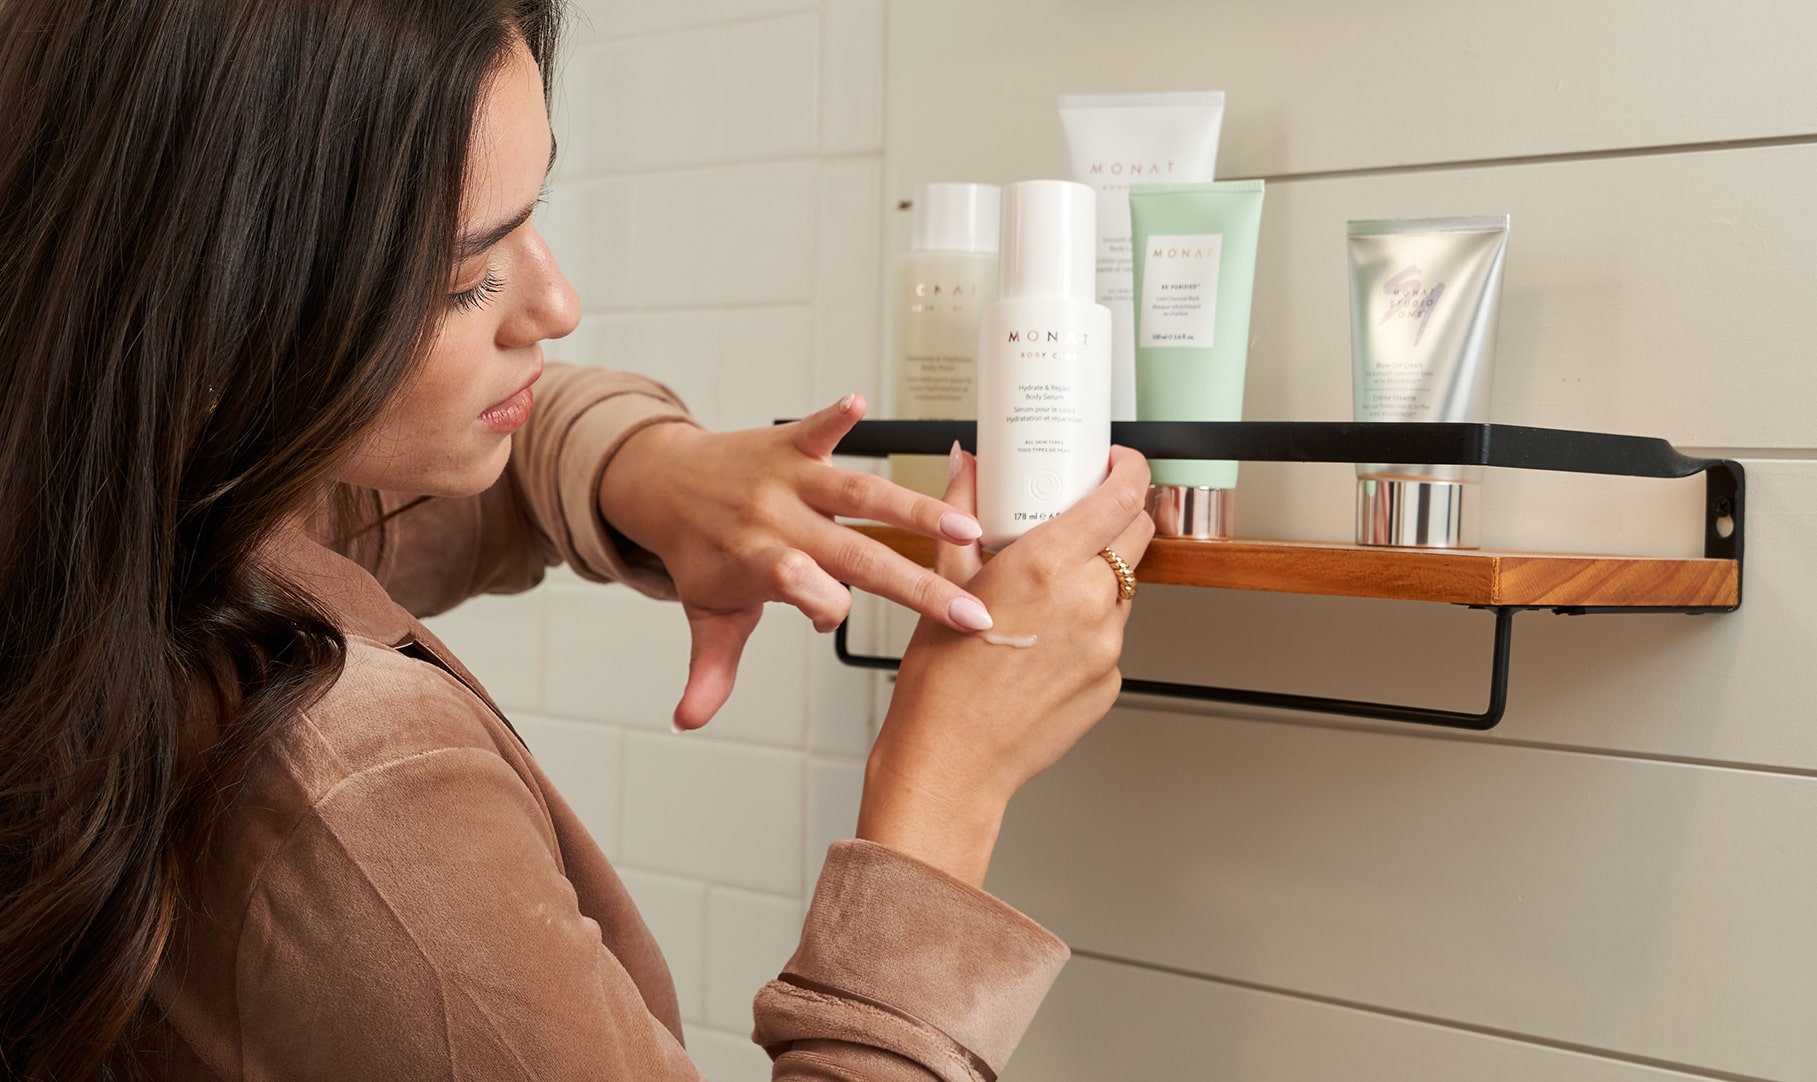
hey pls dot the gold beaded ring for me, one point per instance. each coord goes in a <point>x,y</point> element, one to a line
<point>1126,578</point>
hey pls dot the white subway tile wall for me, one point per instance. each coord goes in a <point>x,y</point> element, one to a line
<point>848,320</point>
<point>718,207</point>
<point>728,813</point>
<point>728,236</point>
<point>749,937</point>
<point>852,77</point>
<point>676,910</point>
<point>725,1057</point>
<point>834,786</point>
<point>502,637</point>
<point>586,763</point>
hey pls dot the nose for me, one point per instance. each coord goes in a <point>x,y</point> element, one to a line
<point>548,307</point>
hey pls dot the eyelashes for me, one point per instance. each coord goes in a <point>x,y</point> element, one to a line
<point>468,300</point>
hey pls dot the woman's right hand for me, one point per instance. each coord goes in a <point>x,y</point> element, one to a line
<point>972,721</point>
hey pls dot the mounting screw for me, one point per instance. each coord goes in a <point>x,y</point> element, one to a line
<point>1725,506</point>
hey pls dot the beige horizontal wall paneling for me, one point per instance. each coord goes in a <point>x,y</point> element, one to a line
<point>1319,85</point>
<point>1105,1020</point>
<point>1653,910</point>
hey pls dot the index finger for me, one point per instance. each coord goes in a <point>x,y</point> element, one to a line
<point>1085,528</point>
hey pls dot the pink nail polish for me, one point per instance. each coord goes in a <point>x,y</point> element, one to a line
<point>960,527</point>
<point>846,403</point>
<point>955,462</point>
<point>969,614</point>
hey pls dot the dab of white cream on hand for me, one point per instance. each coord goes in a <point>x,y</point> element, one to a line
<point>997,638</point>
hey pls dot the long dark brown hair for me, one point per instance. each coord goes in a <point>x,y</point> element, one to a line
<point>226,235</point>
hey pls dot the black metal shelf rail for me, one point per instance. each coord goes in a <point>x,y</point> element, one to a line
<point>1504,446</point>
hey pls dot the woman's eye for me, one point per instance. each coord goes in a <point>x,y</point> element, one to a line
<point>469,299</point>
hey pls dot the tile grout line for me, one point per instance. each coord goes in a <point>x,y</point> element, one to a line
<point>811,157</point>
<point>820,68</point>
<point>685,29</point>
<point>706,949</point>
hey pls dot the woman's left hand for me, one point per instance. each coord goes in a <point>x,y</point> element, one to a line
<point>743,518</point>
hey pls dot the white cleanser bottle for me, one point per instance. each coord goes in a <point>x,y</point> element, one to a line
<point>1044,361</point>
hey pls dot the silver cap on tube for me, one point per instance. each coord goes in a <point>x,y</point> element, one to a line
<point>1417,514</point>
<point>1203,514</point>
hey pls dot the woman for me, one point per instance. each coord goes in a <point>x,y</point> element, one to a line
<point>270,328</point>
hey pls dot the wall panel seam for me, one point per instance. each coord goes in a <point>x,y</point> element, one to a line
<point>1610,154</point>
<point>1537,1040</point>
<point>1728,766</point>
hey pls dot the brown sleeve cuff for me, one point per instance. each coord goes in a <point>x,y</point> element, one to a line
<point>900,956</point>
<point>584,415</point>
<point>597,551</point>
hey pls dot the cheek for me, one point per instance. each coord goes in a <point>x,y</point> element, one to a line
<point>440,401</point>
<point>428,443</point>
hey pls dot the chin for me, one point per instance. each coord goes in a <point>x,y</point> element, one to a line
<point>470,475</point>
<point>467,469</point>
<point>482,475</point>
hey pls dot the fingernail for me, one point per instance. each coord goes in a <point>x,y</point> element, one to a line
<point>969,614</point>
<point>675,727</point>
<point>846,403</point>
<point>955,462</point>
<point>960,527</point>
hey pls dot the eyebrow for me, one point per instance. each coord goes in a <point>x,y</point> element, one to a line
<point>472,244</point>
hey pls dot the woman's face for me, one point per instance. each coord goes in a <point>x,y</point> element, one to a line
<point>450,433</point>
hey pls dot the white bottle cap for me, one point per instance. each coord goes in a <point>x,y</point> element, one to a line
<point>1050,241</point>
<point>956,217</point>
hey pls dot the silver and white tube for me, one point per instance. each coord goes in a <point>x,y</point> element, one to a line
<point>1425,305</point>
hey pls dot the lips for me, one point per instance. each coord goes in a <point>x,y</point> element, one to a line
<point>510,414</point>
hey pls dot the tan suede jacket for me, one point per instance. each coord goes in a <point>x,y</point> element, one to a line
<point>402,894</point>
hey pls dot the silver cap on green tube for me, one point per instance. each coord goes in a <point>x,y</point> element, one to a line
<point>1204,514</point>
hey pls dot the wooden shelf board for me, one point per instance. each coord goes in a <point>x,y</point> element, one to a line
<point>1454,577</point>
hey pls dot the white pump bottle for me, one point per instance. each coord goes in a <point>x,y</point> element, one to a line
<point>1044,363</point>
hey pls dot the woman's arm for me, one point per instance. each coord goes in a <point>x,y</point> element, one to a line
<point>417,920</point>
<point>432,554</point>
<point>900,932</point>
<point>971,722</point>
<point>603,479</point>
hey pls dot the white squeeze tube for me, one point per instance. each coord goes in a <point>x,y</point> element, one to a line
<point>1112,142</point>
<point>1043,364</point>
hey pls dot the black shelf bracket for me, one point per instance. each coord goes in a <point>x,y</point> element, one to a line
<point>1504,446</point>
